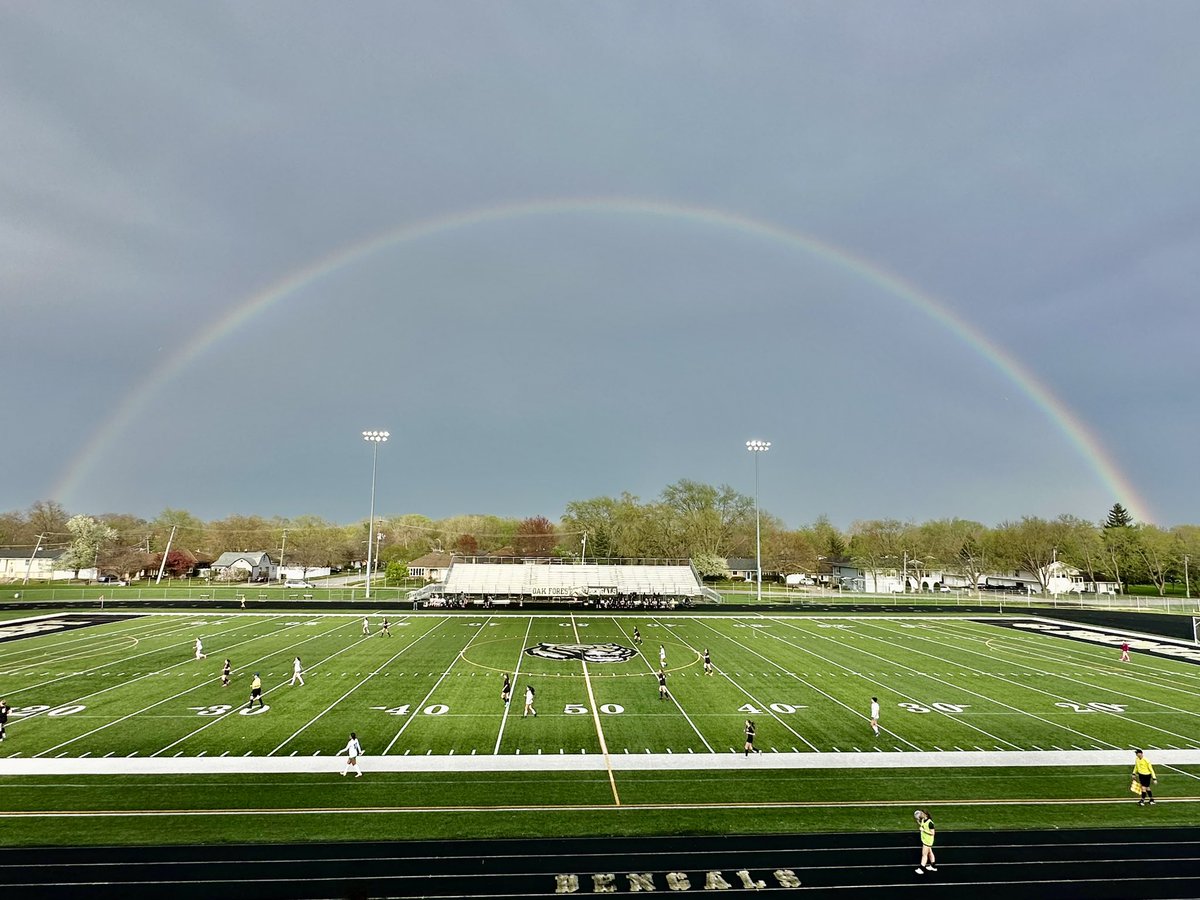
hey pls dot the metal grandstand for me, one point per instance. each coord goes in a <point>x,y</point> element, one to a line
<point>472,581</point>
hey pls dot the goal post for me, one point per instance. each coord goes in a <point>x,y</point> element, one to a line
<point>1196,630</point>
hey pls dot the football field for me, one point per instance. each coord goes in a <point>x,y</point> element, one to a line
<point>116,717</point>
<point>133,687</point>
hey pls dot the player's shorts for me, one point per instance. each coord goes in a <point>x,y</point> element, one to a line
<point>1144,780</point>
<point>256,693</point>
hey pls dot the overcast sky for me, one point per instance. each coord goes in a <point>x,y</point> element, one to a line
<point>1029,166</point>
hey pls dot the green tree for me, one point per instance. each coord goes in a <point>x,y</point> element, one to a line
<point>877,545</point>
<point>87,538</point>
<point>1159,553</point>
<point>1118,517</point>
<point>711,566</point>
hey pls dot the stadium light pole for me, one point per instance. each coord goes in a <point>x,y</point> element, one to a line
<point>375,438</point>
<point>757,448</point>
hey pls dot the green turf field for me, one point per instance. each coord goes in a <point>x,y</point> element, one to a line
<point>426,705</point>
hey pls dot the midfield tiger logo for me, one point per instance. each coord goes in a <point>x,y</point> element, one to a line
<point>593,653</point>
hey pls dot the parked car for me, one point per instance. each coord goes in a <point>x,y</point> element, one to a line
<point>295,583</point>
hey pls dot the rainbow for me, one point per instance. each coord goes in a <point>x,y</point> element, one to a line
<point>1061,416</point>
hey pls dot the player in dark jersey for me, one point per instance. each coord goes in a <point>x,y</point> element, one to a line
<point>637,635</point>
<point>225,673</point>
<point>750,737</point>
<point>708,669</point>
<point>506,690</point>
<point>5,709</point>
<point>662,684</point>
<point>385,629</point>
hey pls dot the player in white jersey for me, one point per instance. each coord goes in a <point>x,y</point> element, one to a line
<point>662,656</point>
<point>875,715</point>
<point>366,626</point>
<point>297,672</point>
<point>200,654</point>
<point>353,751</point>
<point>529,702</point>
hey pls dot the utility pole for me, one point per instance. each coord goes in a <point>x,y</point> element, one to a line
<point>163,564</point>
<point>281,551</point>
<point>29,565</point>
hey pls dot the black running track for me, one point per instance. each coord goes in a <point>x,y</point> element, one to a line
<point>1014,865</point>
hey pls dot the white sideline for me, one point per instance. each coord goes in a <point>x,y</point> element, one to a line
<point>592,762</point>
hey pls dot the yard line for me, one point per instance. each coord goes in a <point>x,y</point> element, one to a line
<point>959,687</point>
<point>1132,671</point>
<point>1123,716</point>
<point>587,680</point>
<point>167,699</point>
<point>94,669</point>
<point>830,696</point>
<point>412,718</point>
<point>670,693</point>
<point>379,668</point>
<point>766,707</point>
<point>97,634</point>
<point>236,710</point>
<point>513,685</point>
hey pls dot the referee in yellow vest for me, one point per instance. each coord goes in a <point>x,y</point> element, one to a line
<point>1143,771</point>
<point>928,860</point>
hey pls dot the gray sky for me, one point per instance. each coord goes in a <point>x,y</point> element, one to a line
<point>1029,167</point>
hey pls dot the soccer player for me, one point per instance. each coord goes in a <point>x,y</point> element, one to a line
<point>5,709</point>
<point>637,635</point>
<point>226,670</point>
<point>1125,651</point>
<point>708,669</point>
<point>662,684</point>
<point>385,629</point>
<point>297,672</point>
<point>353,751</point>
<point>366,626</point>
<point>255,692</point>
<point>506,690</point>
<point>875,715</point>
<point>928,860</point>
<point>529,702</point>
<point>662,656</point>
<point>200,654</point>
<point>750,738</point>
<point>1143,771</point>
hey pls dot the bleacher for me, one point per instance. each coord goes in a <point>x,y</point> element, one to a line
<point>592,583</point>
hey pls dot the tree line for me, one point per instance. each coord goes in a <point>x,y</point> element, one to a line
<point>705,523</point>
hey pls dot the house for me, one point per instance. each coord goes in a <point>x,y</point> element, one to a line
<point>18,563</point>
<point>746,569</point>
<point>249,565</point>
<point>432,566</point>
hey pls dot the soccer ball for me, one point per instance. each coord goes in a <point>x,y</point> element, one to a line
<point>918,814</point>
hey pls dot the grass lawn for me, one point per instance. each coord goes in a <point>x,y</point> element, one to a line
<point>429,696</point>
